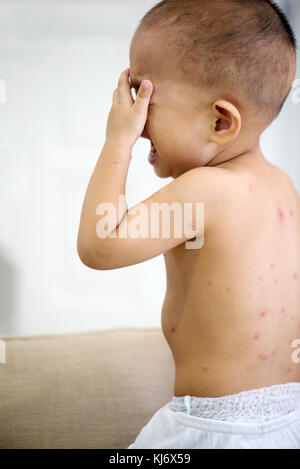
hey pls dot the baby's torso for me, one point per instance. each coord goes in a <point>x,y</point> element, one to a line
<point>232,308</point>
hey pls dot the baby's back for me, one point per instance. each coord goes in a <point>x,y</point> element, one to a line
<point>232,308</point>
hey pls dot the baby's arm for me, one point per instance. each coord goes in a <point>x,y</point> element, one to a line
<point>125,124</point>
<point>192,187</point>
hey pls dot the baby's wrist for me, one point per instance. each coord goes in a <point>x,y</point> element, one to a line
<point>121,147</point>
<point>122,140</point>
<point>123,143</point>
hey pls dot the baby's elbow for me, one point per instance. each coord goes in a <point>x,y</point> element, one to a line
<point>90,258</point>
<point>84,255</point>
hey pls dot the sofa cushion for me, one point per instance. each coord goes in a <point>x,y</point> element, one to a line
<point>87,390</point>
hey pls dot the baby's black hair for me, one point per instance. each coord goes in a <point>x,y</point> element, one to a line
<point>243,48</point>
<point>285,23</point>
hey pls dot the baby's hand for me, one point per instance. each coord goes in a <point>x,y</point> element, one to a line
<point>127,118</point>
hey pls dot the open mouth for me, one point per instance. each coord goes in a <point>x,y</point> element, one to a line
<point>153,154</point>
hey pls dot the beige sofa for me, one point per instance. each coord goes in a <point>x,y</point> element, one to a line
<point>87,390</point>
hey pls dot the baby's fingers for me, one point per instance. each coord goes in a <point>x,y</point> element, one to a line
<point>124,92</point>
<point>143,96</point>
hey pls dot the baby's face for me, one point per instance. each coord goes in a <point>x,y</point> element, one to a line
<point>178,123</point>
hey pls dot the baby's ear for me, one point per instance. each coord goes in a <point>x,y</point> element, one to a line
<point>226,122</point>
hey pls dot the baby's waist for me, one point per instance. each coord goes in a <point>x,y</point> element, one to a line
<point>255,405</point>
<point>213,376</point>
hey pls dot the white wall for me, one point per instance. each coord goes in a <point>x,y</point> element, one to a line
<point>280,142</point>
<point>60,62</point>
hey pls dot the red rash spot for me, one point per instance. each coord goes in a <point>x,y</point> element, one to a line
<point>260,278</point>
<point>292,318</point>
<point>280,214</point>
<point>263,356</point>
<point>289,370</point>
<point>291,213</point>
<point>282,310</point>
<point>295,276</point>
<point>273,352</point>
<point>263,313</point>
<point>256,336</point>
<point>173,329</point>
<point>204,368</point>
<point>228,290</point>
<point>272,266</point>
<point>276,281</point>
<point>209,283</point>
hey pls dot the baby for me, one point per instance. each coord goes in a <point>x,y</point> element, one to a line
<point>210,77</point>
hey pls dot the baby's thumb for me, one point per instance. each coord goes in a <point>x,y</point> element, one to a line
<point>144,95</point>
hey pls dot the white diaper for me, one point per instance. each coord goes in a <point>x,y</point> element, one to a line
<point>265,418</point>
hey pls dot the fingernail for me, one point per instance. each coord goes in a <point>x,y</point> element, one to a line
<point>146,85</point>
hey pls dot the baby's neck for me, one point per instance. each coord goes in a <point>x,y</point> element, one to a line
<point>236,154</point>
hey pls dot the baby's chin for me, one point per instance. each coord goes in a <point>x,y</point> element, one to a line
<point>160,170</point>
